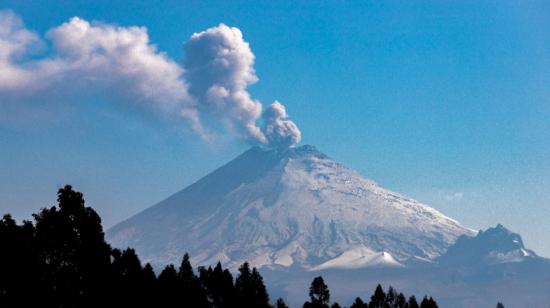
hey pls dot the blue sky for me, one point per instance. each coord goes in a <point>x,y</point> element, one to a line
<point>446,102</point>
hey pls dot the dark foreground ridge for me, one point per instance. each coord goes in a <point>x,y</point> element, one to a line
<point>62,260</point>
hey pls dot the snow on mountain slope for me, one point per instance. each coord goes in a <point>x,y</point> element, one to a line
<point>494,246</point>
<point>479,271</point>
<point>360,258</point>
<point>287,207</point>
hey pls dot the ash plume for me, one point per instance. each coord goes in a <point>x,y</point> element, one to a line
<point>120,62</point>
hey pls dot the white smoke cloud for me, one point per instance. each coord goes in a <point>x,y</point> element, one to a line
<point>15,41</point>
<point>219,66</point>
<point>97,57</point>
<point>122,63</point>
<point>123,56</point>
<point>278,129</point>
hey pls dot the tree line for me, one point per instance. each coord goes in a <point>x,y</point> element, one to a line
<point>61,260</point>
<point>319,295</point>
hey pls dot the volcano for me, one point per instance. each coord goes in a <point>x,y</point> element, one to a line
<point>292,207</point>
<point>295,213</point>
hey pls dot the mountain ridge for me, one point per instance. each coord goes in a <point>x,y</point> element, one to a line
<point>496,245</point>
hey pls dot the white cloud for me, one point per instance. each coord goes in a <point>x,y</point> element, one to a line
<point>120,62</point>
<point>455,196</point>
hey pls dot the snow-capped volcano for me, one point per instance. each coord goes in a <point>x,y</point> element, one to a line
<point>288,207</point>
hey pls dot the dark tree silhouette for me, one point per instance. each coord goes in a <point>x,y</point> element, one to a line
<point>250,288</point>
<point>20,268</point>
<point>428,302</point>
<point>412,302</point>
<point>401,301</point>
<point>378,299</point>
<point>244,286</point>
<point>149,288</point>
<point>261,298</point>
<point>219,285</point>
<point>319,294</point>
<point>500,305</point>
<point>391,298</point>
<point>168,284</point>
<point>359,303</point>
<point>70,241</point>
<point>134,285</point>
<point>192,292</point>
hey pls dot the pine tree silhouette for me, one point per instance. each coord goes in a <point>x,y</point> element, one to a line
<point>149,288</point>
<point>428,302</point>
<point>219,286</point>
<point>261,298</point>
<point>168,284</point>
<point>244,286</point>
<point>192,293</point>
<point>378,299</point>
<point>401,301</point>
<point>319,294</point>
<point>391,298</point>
<point>250,288</point>
<point>359,303</point>
<point>412,302</point>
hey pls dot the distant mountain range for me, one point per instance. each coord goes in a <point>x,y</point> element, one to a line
<point>295,213</point>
